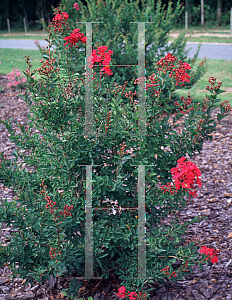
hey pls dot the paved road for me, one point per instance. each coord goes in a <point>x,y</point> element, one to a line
<point>210,51</point>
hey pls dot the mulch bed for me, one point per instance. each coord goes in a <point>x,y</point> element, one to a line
<point>214,201</point>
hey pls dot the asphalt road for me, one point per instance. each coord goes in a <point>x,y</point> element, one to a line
<point>210,51</point>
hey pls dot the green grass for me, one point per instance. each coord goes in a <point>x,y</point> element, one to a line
<point>222,71</point>
<point>192,29</point>
<point>16,58</point>
<point>209,39</point>
<point>206,39</point>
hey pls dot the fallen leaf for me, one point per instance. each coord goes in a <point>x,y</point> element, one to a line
<point>212,200</point>
<point>195,280</point>
<point>229,235</point>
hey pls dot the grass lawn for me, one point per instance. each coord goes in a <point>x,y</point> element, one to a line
<point>16,58</point>
<point>203,29</point>
<point>204,34</point>
<point>222,70</point>
<point>209,39</point>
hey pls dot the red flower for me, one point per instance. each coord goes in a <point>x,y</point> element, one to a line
<point>121,292</point>
<point>132,296</point>
<point>180,74</point>
<point>75,38</point>
<point>76,6</point>
<point>58,17</point>
<point>185,175</point>
<point>59,22</point>
<point>102,57</point>
<point>214,260</point>
<point>167,64</point>
<point>210,253</point>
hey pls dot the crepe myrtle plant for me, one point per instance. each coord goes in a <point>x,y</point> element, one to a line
<point>48,171</point>
<point>113,26</point>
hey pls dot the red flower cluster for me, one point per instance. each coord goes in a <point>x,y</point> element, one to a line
<point>66,211</point>
<point>166,270</point>
<point>164,63</point>
<point>187,102</point>
<point>132,295</point>
<point>53,252</point>
<point>180,74</point>
<point>130,95</point>
<point>47,67</point>
<point>153,83</point>
<point>59,22</point>
<point>185,175</point>
<point>76,6</point>
<point>140,80</point>
<point>167,64</point>
<point>214,86</point>
<point>226,106</point>
<point>210,253</point>
<point>102,57</point>
<point>121,152</point>
<point>75,38</point>
<point>50,205</point>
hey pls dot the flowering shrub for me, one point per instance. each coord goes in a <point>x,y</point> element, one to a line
<point>163,83</point>
<point>52,195</point>
<point>115,30</point>
<point>16,80</point>
<point>167,64</point>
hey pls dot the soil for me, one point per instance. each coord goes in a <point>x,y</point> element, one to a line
<point>213,200</point>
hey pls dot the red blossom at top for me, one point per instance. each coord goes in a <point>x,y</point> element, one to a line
<point>60,21</point>
<point>180,74</point>
<point>61,17</point>
<point>76,6</point>
<point>101,56</point>
<point>75,38</point>
<point>167,64</point>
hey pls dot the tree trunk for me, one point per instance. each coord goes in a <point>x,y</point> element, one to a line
<point>202,13</point>
<point>219,11</point>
